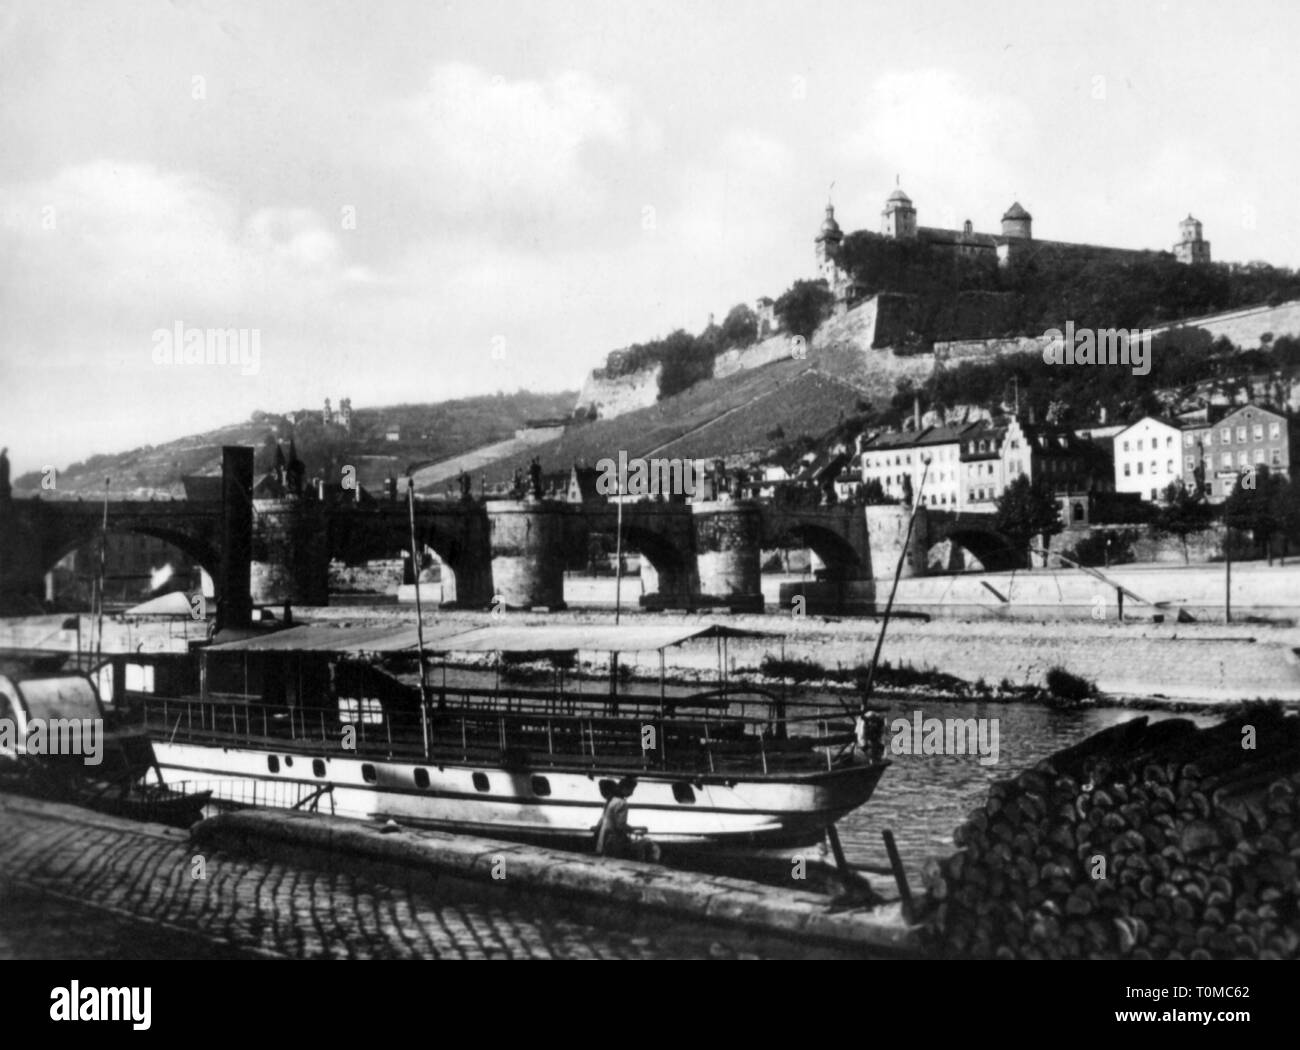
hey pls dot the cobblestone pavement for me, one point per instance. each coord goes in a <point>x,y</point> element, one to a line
<point>140,882</point>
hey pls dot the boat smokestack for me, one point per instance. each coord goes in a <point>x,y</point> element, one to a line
<point>235,608</point>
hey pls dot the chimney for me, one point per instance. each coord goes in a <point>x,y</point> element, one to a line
<point>236,606</point>
<point>916,411</point>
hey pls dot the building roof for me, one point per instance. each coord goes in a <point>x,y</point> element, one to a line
<point>945,435</point>
<point>899,196</point>
<point>1016,212</point>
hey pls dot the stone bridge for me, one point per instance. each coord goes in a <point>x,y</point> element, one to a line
<point>509,551</point>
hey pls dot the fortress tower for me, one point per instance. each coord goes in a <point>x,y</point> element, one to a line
<point>827,244</point>
<point>1192,248</point>
<point>898,220</point>
<point>1017,222</point>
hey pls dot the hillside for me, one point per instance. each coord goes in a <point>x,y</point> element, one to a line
<point>751,412</point>
<point>379,442</point>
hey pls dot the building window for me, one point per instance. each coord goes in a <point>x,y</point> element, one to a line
<point>1127,471</point>
<point>1125,446</point>
<point>1259,455</point>
<point>1258,431</point>
<point>1243,459</point>
<point>1275,430</point>
<point>1139,444</point>
<point>1225,459</point>
<point>1187,440</point>
<point>1241,435</point>
<point>1275,457</point>
<point>1169,467</point>
<point>1189,463</point>
<point>481,782</point>
<point>1139,468</point>
<point>1225,435</point>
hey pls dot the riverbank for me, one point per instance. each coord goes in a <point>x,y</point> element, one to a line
<point>1130,663</point>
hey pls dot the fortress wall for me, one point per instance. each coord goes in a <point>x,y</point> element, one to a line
<point>614,397</point>
<point>1244,327</point>
<point>773,348</point>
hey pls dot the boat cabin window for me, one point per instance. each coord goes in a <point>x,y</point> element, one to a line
<point>273,763</point>
<point>139,678</point>
<point>421,778</point>
<point>481,782</point>
<point>368,773</point>
<point>288,761</point>
<point>541,786</point>
<point>318,766</point>
<point>684,793</point>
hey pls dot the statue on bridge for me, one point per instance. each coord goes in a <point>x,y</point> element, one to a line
<point>465,485</point>
<point>6,489</point>
<point>535,477</point>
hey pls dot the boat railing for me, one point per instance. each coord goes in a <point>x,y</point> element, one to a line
<point>709,740</point>
<point>265,794</point>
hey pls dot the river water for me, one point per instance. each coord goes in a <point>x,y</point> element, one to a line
<point>923,798</point>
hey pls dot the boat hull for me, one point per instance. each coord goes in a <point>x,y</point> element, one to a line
<point>545,804</point>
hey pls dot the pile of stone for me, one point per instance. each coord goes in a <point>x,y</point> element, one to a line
<point>1146,841</point>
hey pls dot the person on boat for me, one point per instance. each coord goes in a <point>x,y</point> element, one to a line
<point>612,836</point>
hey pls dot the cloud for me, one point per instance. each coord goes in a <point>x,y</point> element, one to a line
<point>954,146</point>
<point>514,145</point>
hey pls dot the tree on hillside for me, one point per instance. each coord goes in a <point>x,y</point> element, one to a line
<point>1254,506</point>
<point>804,306</point>
<point>1027,510</point>
<point>739,327</point>
<point>1183,513</point>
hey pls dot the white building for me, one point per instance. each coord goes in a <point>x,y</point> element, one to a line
<point>890,458</point>
<point>1148,457</point>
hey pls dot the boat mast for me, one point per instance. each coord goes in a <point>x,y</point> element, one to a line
<point>419,617</point>
<point>99,587</point>
<point>893,590</point>
<point>618,557</point>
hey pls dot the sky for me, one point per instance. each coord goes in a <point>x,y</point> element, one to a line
<point>414,201</point>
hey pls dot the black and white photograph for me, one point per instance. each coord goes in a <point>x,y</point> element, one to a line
<point>650,481</point>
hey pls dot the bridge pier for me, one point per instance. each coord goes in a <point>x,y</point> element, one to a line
<point>527,541</point>
<point>728,553</point>
<point>290,552</point>
<point>22,569</point>
<point>886,532</point>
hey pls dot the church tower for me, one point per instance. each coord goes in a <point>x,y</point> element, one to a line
<point>898,220</point>
<point>1192,248</point>
<point>827,244</point>
<point>1016,222</point>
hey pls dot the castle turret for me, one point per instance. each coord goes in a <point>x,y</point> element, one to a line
<point>827,244</point>
<point>1017,222</point>
<point>898,220</point>
<point>1192,248</point>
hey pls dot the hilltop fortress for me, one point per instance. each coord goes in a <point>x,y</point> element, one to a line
<point>870,339</point>
<point>1015,244</point>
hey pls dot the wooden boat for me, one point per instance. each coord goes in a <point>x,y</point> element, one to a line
<point>334,719</point>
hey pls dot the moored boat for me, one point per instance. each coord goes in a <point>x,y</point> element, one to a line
<point>345,721</point>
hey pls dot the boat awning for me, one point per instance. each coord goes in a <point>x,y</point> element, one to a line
<point>455,638</point>
<point>319,638</point>
<point>572,637</point>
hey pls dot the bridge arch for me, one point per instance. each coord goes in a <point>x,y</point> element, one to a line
<point>842,560</point>
<point>197,549</point>
<point>994,551</point>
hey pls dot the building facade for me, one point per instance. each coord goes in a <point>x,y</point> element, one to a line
<point>1249,437</point>
<point>1148,457</point>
